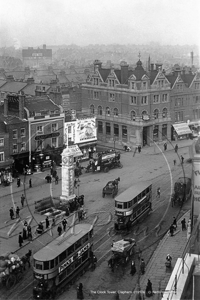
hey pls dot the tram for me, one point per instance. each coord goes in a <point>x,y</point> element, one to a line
<point>62,260</point>
<point>132,205</point>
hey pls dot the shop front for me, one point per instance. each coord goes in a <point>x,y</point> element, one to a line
<point>88,149</point>
<point>181,131</point>
<point>195,128</point>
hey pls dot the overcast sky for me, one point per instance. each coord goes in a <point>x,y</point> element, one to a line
<point>83,22</point>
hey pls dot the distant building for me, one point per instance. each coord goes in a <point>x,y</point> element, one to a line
<point>36,57</point>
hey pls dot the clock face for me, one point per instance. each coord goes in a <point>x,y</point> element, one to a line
<point>65,160</point>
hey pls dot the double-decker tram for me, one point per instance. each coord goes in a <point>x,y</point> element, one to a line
<point>132,205</point>
<point>62,260</point>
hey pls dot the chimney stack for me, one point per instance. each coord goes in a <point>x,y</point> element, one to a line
<point>152,67</point>
<point>21,105</point>
<point>124,72</point>
<point>97,63</point>
<point>6,106</point>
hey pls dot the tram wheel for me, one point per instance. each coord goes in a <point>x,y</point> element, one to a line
<point>10,281</point>
<point>106,169</point>
<point>19,276</point>
<point>120,166</point>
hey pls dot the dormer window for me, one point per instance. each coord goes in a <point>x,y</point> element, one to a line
<point>144,85</point>
<point>111,97</point>
<point>133,85</point>
<point>96,81</point>
<point>111,82</point>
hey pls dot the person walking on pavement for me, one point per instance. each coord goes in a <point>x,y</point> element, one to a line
<point>20,239</point>
<point>17,212</point>
<point>174,162</point>
<point>133,268</point>
<point>18,182</point>
<point>142,266</point>
<point>25,231</point>
<point>30,183</point>
<point>22,200</point>
<point>80,291</point>
<point>139,148</point>
<point>29,230</point>
<point>182,159</point>
<point>56,179</point>
<point>176,148</point>
<point>47,222</point>
<point>149,290</point>
<point>174,223</point>
<point>165,146</point>
<point>171,230</point>
<point>64,223</point>
<point>183,224</point>
<point>59,229</point>
<point>158,192</point>
<point>11,213</point>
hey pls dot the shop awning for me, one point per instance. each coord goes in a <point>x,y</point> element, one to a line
<point>182,128</point>
<point>88,144</point>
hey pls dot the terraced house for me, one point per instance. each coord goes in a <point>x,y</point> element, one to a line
<point>134,106</point>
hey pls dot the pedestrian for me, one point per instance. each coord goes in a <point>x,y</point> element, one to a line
<point>174,162</point>
<point>182,159</point>
<point>25,231</point>
<point>171,230</point>
<point>50,178</point>
<point>22,200</point>
<point>20,239</point>
<point>18,182</point>
<point>183,223</point>
<point>165,146</point>
<point>149,290</point>
<point>30,183</point>
<point>67,211</point>
<point>75,183</point>
<point>56,179</point>
<point>59,229</point>
<point>47,222</point>
<point>11,213</point>
<point>80,291</point>
<point>142,267</point>
<point>176,148</point>
<point>17,212</point>
<point>174,223</point>
<point>29,230</point>
<point>139,148</point>
<point>133,268</point>
<point>53,222</point>
<point>64,223</point>
<point>158,192</point>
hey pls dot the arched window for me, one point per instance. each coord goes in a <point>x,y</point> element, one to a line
<point>164,112</point>
<point>156,113</point>
<point>115,112</point>
<point>144,113</point>
<point>133,115</point>
<point>108,111</point>
<point>92,109</point>
<point>100,110</point>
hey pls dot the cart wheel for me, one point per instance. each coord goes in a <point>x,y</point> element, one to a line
<point>103,195</point>
<point>10,281</point>
<point>106,169</point>
<point>120,165</point>
<point>19,276</point>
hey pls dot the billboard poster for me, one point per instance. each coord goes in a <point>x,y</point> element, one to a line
<point>196,186</point>
<point>86,130</point>
<point>69,132</point>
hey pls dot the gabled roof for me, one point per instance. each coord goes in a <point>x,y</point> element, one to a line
<point>104,73</point>
<point>171,78</point>
<point>188,78</point>
<point>153,75</point>
<point>38,103</point>
<point>2,82</point>
<point>13,86</point>
<point>139,71</point>
<point>30,88</point>
<point>44,79</point>
<point>11,119</point>
<point>16,74</point>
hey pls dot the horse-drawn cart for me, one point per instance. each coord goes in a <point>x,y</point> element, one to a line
<point>122,251</point>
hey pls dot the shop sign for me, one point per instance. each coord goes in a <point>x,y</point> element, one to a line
<point>47,136</point>
<point>86,130</point>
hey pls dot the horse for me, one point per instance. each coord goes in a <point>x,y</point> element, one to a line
<point>26,259</point>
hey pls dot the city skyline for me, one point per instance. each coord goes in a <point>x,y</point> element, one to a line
<point>83,22</point>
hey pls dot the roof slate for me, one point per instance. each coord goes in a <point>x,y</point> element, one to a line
<point>40,103</point>
<point>13,86</point>
<point>30,88</point>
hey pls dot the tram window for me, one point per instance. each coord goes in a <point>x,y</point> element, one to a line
<point>38,266</point>
<point>139,197</point>
<point>77,263</point>
<point>85,256</point>
<point>62,276</point>
<point>84,238</point>
<point>70,269</point>
<point>56,260</point>
<point>120,205</point>
<point>46,265</point>
<point>129,204</point>
<point>143,193</point>
<point>147,190</point>
<point>62,256</point>
<point>143,207</point>
<point>71,249</point>
<point>139,211</point>
<point>125,205</point>
<point>91,233</point>
<point>135,200</point>
<point>133,216</point>
<point>78,244</point>
<point>52,263</point>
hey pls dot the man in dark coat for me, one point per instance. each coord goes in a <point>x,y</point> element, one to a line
<point>17,212</point>
<point>22,200</point>
<point>80,291</point>
<point>59,229</point>
<point>149,290</point>
<point>18,182</point>
<point>11,213</point>
<point>20,239</point>
<point>176,148</point>
<point>183,223</point>
<point>30,183</point>
<point>142,266</point>
<point>47,222</point>
<point>133,268</point>
<point>171,230</point>
<point>64,223</point>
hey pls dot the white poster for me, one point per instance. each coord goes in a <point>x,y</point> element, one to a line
<point>69,132</point>
<point>86,130</point>
<point>196,186</point>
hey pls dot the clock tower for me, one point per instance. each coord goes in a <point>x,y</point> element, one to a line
<point>67,175</point>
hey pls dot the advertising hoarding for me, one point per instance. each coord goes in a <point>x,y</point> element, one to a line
<point>86,130</point>
<point>69,132</point>
<point>196,186</point>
